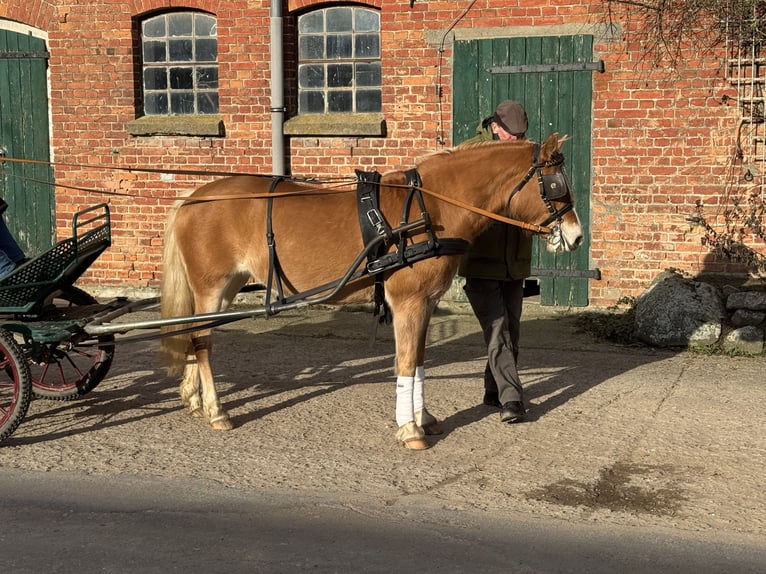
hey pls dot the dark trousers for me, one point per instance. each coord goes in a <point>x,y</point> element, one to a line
<point>497,305</point>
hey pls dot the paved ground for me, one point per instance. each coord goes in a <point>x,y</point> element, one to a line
<point>630,437</point>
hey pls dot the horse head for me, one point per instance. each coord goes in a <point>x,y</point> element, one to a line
<point>546,190</point>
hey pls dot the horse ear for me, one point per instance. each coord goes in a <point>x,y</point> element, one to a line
<point>552,145</point>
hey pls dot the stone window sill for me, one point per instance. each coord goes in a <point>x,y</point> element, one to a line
<point>191,125</point>
<point>340,124</point>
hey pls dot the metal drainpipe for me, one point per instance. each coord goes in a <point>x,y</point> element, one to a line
<point>277,91</point>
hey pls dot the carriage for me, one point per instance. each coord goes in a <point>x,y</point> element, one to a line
<point>58,342</point>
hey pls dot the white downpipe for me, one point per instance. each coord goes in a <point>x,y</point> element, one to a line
<point>277,91</point>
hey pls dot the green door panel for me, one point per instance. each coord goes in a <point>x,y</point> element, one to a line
<point>556,101</point>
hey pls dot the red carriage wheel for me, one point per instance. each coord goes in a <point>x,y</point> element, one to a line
<point>64,373</point>
<point>15,385</point>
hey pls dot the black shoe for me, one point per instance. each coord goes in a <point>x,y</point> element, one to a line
<point>513,412</point>
<point>491,399</point>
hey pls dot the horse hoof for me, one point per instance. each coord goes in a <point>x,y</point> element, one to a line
<point>428,422</point>
<point>222,423</point>
<point>411,436</point>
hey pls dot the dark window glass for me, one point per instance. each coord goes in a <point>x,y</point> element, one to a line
<point>181,103</point>
<point>207,78</point>
<point>338,47</point>
<point>180,50</point>
<point>368,101</point>
<point>181,78</point>
<point>366,21</point>
<point>311,76</point>
<point>368,74</point>
<point>179,24</point>
<point>154,28</point>
<point>367,46</point>
<point>311,23</point>
<point>204,25</point>
<point>207,103</point>
<point>154,52</point>
<point>339,75</point>
<point>312,102</point>
<point>207,50</point>
<point>341,101</point>
<point>338,20</point>
<point>190,88</point>
<point>155,79</point>
<point>156,103</point>
<point>311,48</point>
<point>339,54</point>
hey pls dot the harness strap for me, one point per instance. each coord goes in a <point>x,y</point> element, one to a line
<point>275,270</point>
<point>373,225</point>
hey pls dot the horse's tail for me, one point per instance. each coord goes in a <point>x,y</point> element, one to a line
<point>176,299</point>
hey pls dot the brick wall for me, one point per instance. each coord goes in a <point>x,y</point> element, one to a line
<point>661,140</point>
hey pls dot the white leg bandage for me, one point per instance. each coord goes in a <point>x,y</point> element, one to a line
<point>418,391</point>
<point>404,410</point>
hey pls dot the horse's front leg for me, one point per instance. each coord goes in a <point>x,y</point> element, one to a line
<point>211,405</point>
<point>409,332</point>
<point>423,418</point>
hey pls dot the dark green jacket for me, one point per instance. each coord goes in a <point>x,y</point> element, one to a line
<point>503,251</point>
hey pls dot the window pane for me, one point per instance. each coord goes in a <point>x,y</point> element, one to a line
<point>207,50</point>
<point>155,79</point>
<point>311,48</point>
<point>313,22</point>
<point>340,101</point>
<point>366,21</point>
<point>204,25</point>
<point>154,52</point>
<point>368,74</point>
<point>181,103</point>
<point>155,27</point>
<point>311,102</point>
<point>156,104</point>
<point>311,76</point>
<point>207,103</point>
<point>368,101</point>
<point>180,50</point>
<point>339,20</point>
<point>338,47</point>
<point>207,78</point>
<point>339,75</point>
<point>181,79</point>
<point>179,24</point>
<point>367,46</point>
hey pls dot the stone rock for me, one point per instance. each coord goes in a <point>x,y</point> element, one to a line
<point>753,300</point>
<point>675,312</point>
<point>747,340</point>
<point>742,317</point>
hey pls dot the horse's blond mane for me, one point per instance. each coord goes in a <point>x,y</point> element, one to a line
<point>466,146</point>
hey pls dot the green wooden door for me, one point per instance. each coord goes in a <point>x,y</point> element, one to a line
<point>26,187</point>
<point>557,100</point>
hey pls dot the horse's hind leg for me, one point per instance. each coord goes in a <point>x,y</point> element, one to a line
<point>211,405</point>
<point>189,390</point>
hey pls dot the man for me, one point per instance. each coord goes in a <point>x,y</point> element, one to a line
<point>494,269</point>
<point>11,255</point>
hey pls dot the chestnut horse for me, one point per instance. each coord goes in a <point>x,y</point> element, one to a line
<point>214,246</point>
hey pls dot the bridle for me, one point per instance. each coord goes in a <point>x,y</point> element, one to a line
<point>552,185</point>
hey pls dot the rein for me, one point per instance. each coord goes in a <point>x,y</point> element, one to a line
<point>341,186</point>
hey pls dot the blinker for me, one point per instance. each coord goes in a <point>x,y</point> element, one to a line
<point>555,185</point>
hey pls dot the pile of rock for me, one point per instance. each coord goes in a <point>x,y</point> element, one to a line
<point>676,311</point>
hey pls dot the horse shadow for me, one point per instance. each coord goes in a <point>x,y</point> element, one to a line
<point>309,355</point>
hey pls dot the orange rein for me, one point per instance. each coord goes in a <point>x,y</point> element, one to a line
<point>528,226</point>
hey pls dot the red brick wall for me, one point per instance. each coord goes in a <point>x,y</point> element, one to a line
<point>661,141</point>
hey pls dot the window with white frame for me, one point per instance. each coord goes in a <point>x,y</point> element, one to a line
<point>339,60</point>
<point>180,64</point>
